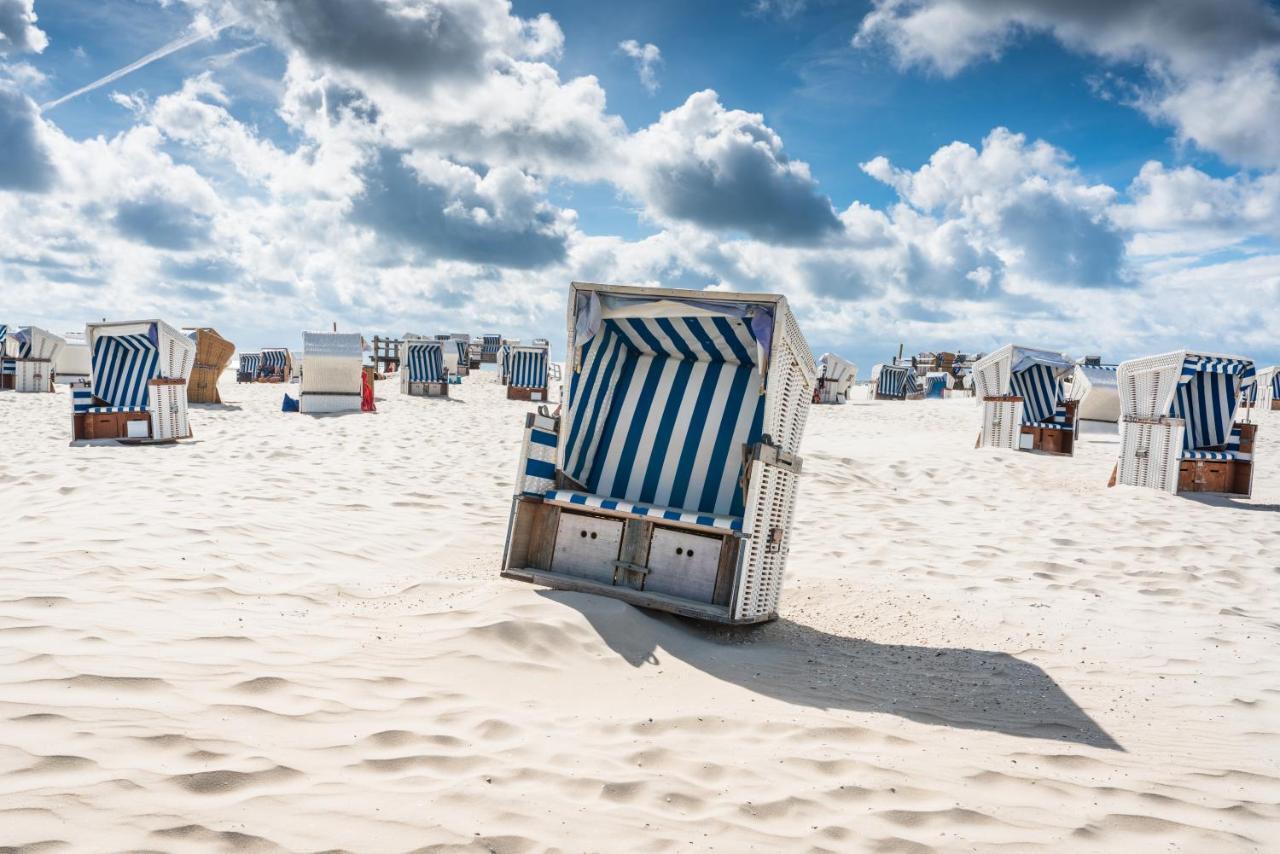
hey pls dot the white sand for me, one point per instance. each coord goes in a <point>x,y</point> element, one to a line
<point>290,634</point>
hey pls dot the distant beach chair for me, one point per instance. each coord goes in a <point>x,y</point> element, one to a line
<point>1023,403</point>
<point>528,373</point>
<point>1268,388</point>
<point>422,372</point>
<point>1178,428</point>
<point>504,359</point>
<point>333,380</point>
<point>936,385</point>
<point>669,477</point>
<point>1097,396</point>
<point>137,389</point>
<point>896,382</point>
<point>213,354</point>
<point>249,365</point>
<point>276,365</point>
<point>458,360</point>
<point>836,375</point>
<point>34,352</point>
<point>489,346</point>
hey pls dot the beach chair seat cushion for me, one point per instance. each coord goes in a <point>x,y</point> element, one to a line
<point>1050,425</point>
<point>102,409</point>
<point>715,521</point>
<point>1217,456</point>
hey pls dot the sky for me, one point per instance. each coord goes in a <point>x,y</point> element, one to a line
<point>1100,178</point>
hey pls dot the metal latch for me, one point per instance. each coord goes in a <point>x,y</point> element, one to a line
<point>773,544</point>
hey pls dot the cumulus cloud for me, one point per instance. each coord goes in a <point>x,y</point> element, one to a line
<point>1214,68</point>
<point>725,170</point>
<point>1023,201</point>
<point>18,30</point>
<point>26,163</point>
<point>647,58</point>
<point>450,211</point>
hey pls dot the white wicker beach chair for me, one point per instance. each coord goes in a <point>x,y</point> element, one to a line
<point>423,372</point>
<point>138,384</point>
<point>333,380</point>
<point>1178,429</point>
<point>1024,406</point>
<point>836,376</point>
<point>34,353</point>
<point>669,477</point>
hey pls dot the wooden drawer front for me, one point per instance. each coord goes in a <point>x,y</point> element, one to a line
<point>587,546</point>
<point>683,564</point>
<point>1204,476</point>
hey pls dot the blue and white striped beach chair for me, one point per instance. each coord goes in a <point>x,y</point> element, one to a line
<point>669,477</point>
<point>1179,431</point>
<point>276,364</point>
<point>249,365</point>
<point>896,382</point>
<point>138,379</point>
<point>8,367</point>
<point>489,346</point>
<point>34,352</point>
<point>528,373</point>
<point>1024,405</point>
<point>936,384</point>
<point>423,373</point>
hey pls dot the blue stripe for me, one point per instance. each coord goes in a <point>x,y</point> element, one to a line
<point>541,437</point>
<point>540,468</point>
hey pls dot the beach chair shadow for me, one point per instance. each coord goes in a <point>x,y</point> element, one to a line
<point>944,686</point>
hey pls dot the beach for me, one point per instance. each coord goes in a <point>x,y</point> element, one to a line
<point>289,634</point>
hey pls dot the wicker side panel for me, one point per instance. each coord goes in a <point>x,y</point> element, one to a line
<point>1146,385</point>
<point>770,510</point>
<point>1149,453</point>
<point>790,391</point>
<point>1001,424</point>
<point>169,412</point>
<point>991,379</point>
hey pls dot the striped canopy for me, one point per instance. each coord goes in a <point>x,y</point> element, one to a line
<point>1209,389</point>
<point>23,339</point>
<point>1040,388</point>
<point>658,409</point>
<point>425,360</point>
<point>275,357</point>
<point>122,365</point>
<point>897,381</point>
<point>491,343</point>
<point>528,367</point>
<point>249,363</point>
<point>1275,385</point>
<point>463,347</point>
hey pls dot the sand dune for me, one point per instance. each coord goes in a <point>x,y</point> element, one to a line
<point>288,634</point>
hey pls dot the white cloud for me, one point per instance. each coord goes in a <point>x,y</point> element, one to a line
<point>725,170</point>
<point>18,30</point>
<point>647,58</point>
<point>1213,68</point>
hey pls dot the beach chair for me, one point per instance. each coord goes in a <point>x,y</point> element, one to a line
<point>249,365</point>
<point>34,352</point>
<point>896,382</point>
<point>489,346</point>
<point>836,376</point>
<point>1178,428</point>
<point>423,373</point>
<point>333,380</point>
<point>137,386</point>
<point>276,365</point>
<point>1094,389</point>
<point>213,354</point>
<point>460,356</point>
<point>528,373</point>
<point>936,385</point>
<point>504,358</point>
<point>1268,388</point>
<point>1023,404</point>
<point>668,479</point>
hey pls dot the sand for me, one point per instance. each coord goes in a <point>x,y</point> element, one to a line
<point>289,634</point>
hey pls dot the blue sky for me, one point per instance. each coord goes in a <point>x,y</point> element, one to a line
<point>943,173</point>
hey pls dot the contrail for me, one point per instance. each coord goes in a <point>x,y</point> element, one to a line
<point>171,47</point>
